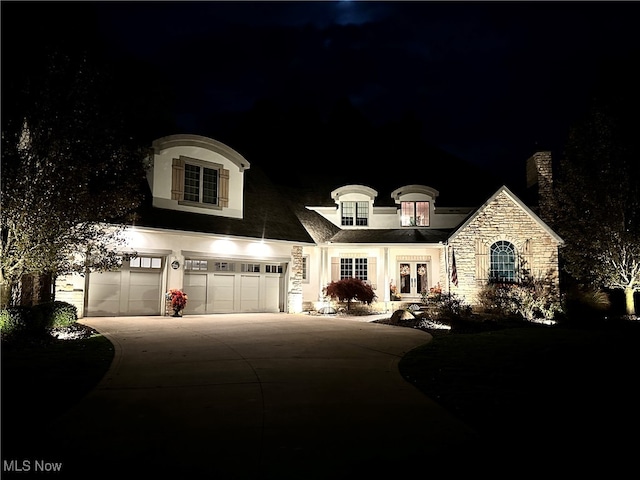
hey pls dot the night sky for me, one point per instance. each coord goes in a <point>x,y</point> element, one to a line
<point>489,83</point>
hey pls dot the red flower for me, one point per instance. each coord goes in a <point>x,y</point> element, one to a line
<point>178,298</point>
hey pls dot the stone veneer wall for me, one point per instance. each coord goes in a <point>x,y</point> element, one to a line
<point>540,173</point>
<point>294,293</point>
<point>503,219</point>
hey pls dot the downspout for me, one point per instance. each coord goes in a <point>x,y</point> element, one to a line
<point>324,273</point>
<point>446,264</point>
<point>387,295</point>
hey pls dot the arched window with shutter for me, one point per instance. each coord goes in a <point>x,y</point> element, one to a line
<point>503,266</point>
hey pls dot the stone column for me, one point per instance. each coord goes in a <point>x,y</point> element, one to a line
<point>294,294</point>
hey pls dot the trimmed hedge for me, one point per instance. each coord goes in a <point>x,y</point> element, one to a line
<point>37,320</point>
<point>57,314</point>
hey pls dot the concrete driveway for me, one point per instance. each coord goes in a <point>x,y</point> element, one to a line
<point>256,396</point>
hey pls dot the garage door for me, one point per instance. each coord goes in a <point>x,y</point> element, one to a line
<point>136,289</point>
<point>232,287</point>
<point>104,294</point>
<point>222,293</point>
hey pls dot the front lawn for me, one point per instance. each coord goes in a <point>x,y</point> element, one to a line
<point>538,391</point>
<point>42,379</point>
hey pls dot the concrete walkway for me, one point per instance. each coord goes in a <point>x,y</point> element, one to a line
<point>249,396</point>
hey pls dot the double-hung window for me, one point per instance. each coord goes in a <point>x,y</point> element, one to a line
<point>355,213</point>
<point>354,268</point>
<point>200,184</point>
<point>415,214</point>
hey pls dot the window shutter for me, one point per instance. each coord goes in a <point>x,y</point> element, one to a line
<point>335,269</point>
<point>372,272</point>
<point>482,261</point>
<point>177,179</point>
<point>224,187</point>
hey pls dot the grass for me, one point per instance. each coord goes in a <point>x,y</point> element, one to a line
<point>531,389</point>
<point>43,378</point>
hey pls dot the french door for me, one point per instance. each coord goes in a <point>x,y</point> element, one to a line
<point>413,277</point>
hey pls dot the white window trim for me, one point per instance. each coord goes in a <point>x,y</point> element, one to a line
<point>194,162</point>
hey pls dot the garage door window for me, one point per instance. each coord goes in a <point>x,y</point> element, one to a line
<point>273,268</point>
<point>200,265</point>
<point>224,267</point>
<point>146,262</point>
<point>251,267</point>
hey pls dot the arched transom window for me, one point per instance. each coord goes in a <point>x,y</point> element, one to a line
<point>503,262</point>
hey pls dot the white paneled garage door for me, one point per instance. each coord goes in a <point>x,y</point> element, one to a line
<point>222,293</point>
<point>196,287</point>
<point>136,289</point>
<point>232,287</point>
<point>104,294</point>
<point>249,293</point>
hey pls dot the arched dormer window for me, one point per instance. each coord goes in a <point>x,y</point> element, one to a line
<point>355,202</point>
<point>414,214</point>
<point>503,262</point>
<point>354,213</point>
<point>416,204</point>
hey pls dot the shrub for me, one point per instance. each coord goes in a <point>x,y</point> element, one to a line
<point>14,321</point>
<point>532,298</point>
<point>57,314</point>
<point>35,321</point>
<point>431,295</point>
<point>22,322</point>
<point>350,289</point>
<point>450,306</point>
<point>584,302</point>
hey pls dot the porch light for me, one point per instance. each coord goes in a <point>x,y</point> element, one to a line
<point>224,246</point>
<point>258,249</point>
<point>133,237</point>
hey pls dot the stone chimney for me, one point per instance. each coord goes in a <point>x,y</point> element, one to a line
<point>540,179</point>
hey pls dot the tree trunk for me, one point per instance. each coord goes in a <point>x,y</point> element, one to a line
<point>628,295</point>
<point>24,296</point>
<point>5,294</point>
<point>35,288</point>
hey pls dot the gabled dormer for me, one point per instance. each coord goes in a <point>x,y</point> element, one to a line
<point>197,174</point>
<point>417,204</point>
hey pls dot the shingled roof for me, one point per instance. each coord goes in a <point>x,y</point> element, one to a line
<point>267,215</point>
<point>396,235</point>
<point>276,212</point>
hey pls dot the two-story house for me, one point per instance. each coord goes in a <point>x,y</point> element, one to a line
<point>235,243</point>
